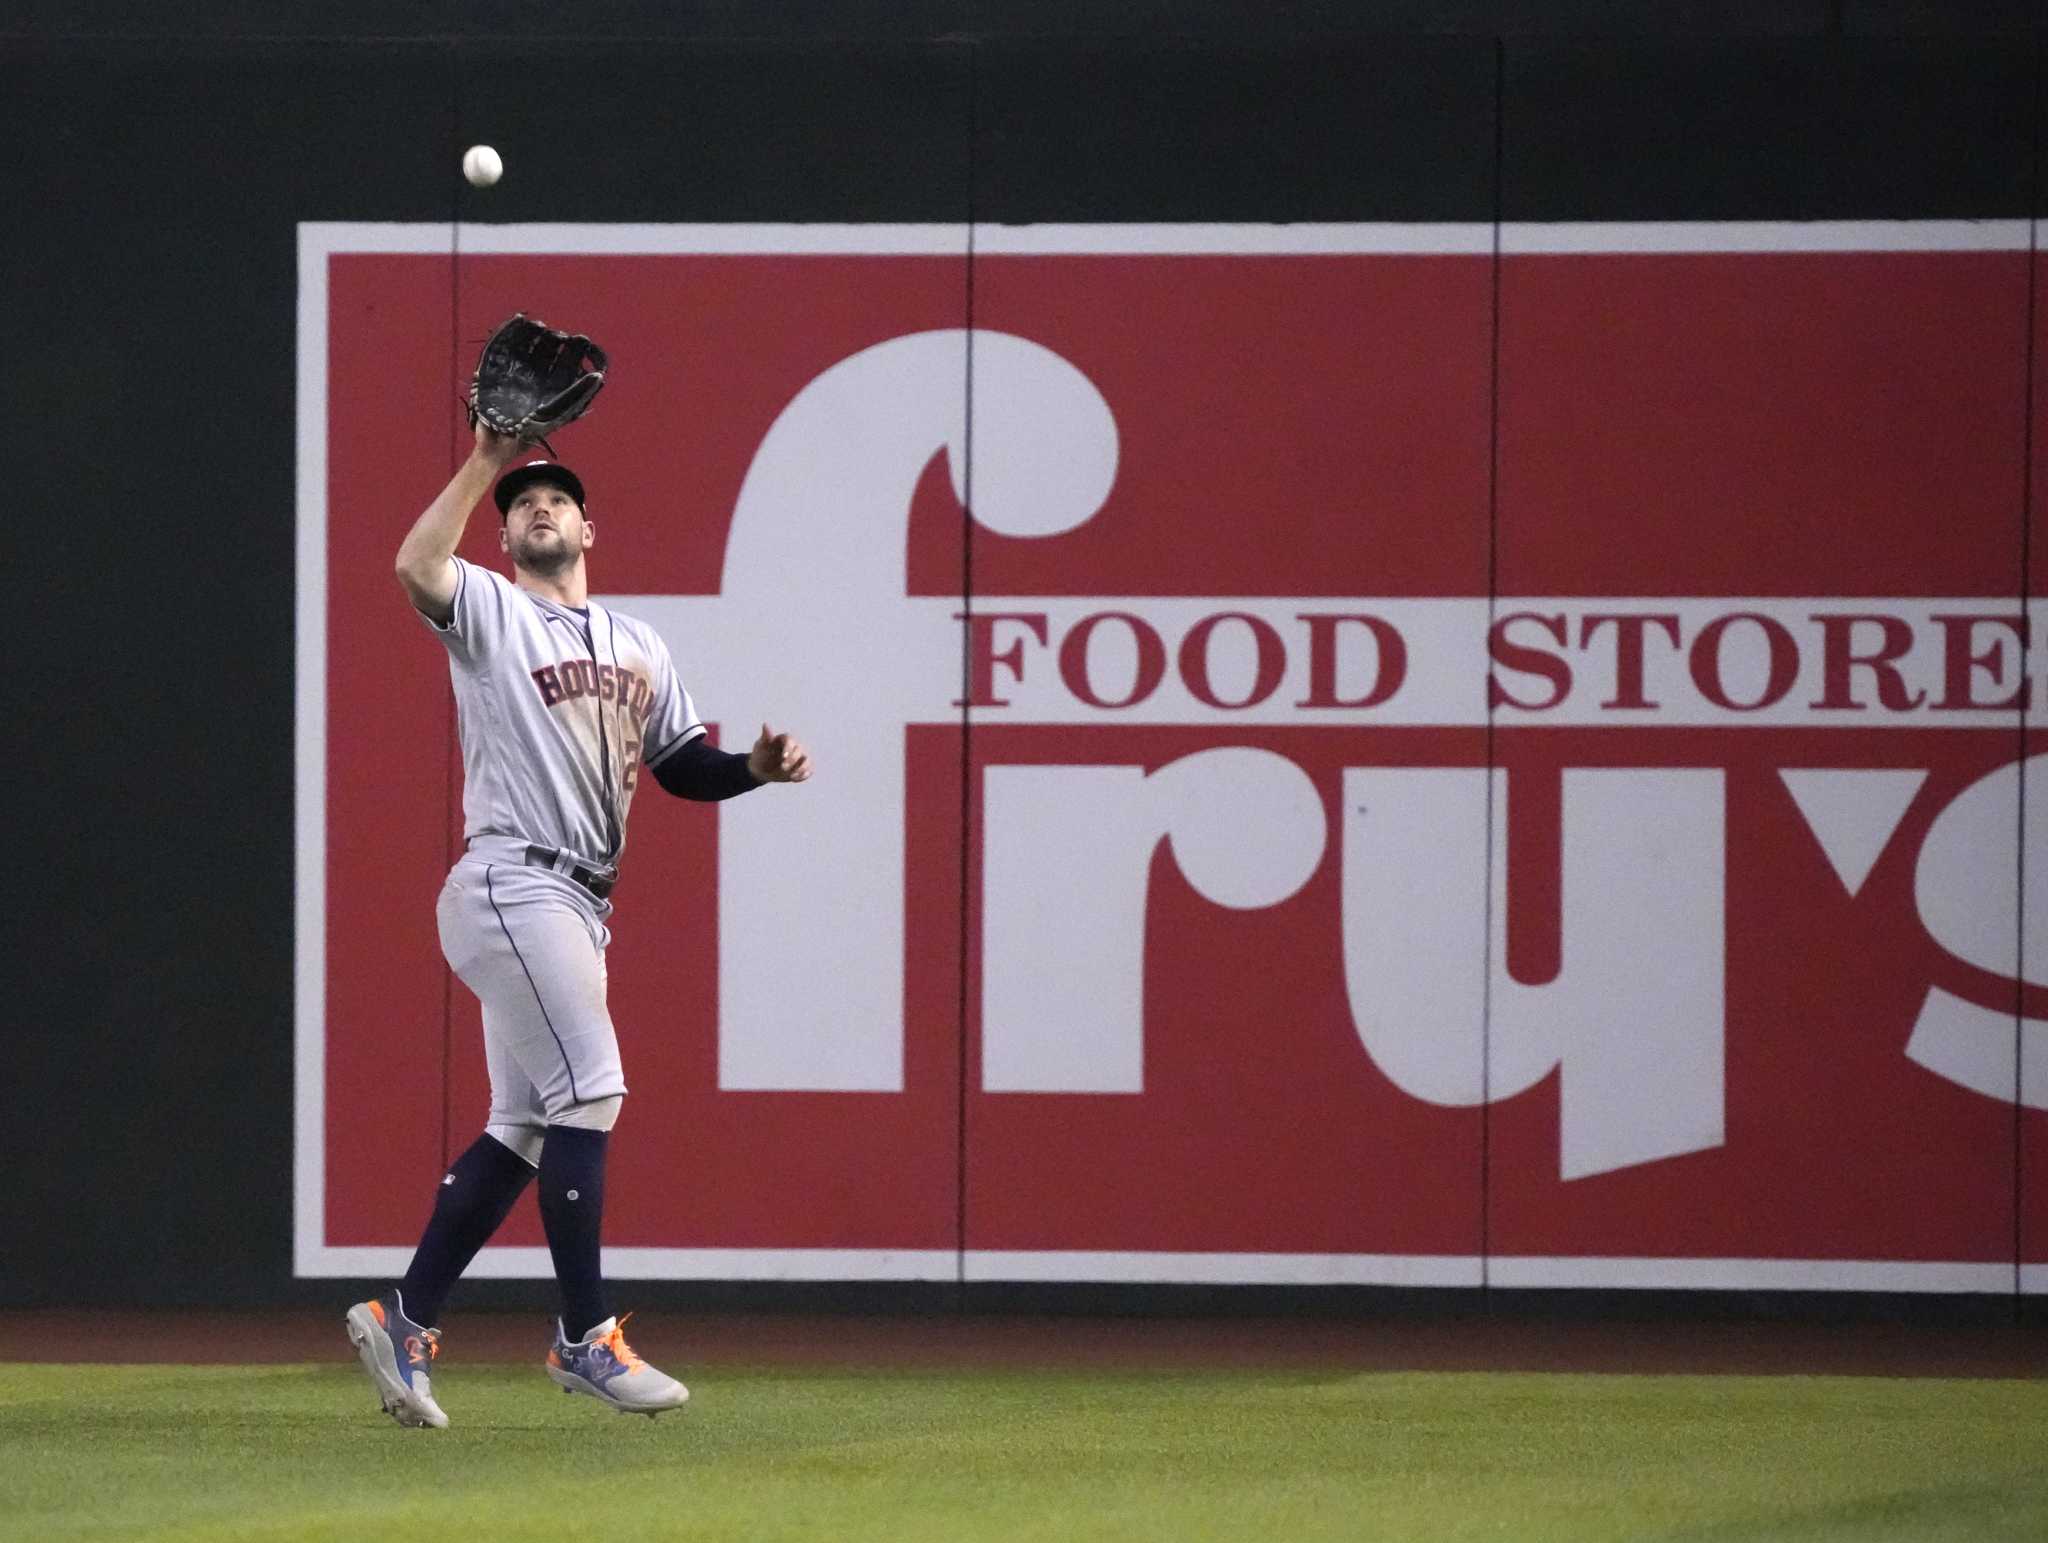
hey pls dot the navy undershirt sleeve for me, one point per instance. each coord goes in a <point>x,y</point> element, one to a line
<point>700,770</point>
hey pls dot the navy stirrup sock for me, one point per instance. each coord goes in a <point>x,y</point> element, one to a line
<point>572,1211</point>
<point>475,1197</point>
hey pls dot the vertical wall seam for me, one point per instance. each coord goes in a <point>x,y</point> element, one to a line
<point>1492,601</point>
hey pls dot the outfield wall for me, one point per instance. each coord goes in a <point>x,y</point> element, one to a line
<point>1419,651</point>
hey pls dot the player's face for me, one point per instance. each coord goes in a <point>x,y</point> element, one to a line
<point>545,531</point>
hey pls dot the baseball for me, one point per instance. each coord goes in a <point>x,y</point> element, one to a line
<point>482,165</point>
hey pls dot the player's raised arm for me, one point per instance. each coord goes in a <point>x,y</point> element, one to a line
<point>426,558</point>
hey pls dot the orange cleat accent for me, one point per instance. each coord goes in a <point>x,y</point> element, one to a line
<point>611,1371</point>
<point>616,1343</point>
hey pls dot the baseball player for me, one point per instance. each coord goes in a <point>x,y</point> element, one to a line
<point>559,702</point>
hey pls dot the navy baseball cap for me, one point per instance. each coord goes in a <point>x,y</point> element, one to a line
<point>520,478</point>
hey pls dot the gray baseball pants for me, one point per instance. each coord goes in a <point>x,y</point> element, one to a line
<point>530,943</point>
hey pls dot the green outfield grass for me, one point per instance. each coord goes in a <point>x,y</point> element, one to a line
<point>274,1452</point>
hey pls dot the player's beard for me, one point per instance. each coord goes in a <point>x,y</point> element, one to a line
<point>546,558</point>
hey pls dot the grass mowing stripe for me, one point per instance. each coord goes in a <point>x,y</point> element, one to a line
<point>273,1453</point>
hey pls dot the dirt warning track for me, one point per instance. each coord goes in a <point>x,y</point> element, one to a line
<point>1477,1343</point>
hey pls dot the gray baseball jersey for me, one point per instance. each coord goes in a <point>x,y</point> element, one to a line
<point>555,709</point>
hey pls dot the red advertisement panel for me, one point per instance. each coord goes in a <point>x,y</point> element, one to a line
<point>1336,761</point>
<point>1167,700</point>
<point>1814,454</point>
<point>700,1161</point>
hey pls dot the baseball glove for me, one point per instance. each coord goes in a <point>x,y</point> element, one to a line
<point>531,380</point>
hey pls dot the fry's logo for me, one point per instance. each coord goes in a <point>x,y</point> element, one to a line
<point>813,617</point>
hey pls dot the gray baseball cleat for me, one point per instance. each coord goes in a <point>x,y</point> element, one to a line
<point>396,1352</point>
<point>603,1365</point>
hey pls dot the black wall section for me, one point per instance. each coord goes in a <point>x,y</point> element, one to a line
<point>1400,129</point>
<point>1953,18</point>
<point>154,190</point>
<point>867,21</point>
<point>720,132</point>
<point>1850,129</point>
<point>153,267</point>
<point>870,21</point>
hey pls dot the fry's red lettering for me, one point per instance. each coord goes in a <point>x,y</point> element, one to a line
<point>1705,661</point>
<point>1151,660</point>
<point>1628,652</point>
<point>1839,658</point>
<point>1391,670</point>
<point>1528,661</point>
<point>1960,665</point>
<point>1194,659</point>
<point>982,657</point>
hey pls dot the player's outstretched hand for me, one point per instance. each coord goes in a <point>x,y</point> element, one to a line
<point>498,449</point>
<point>778,758</point>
